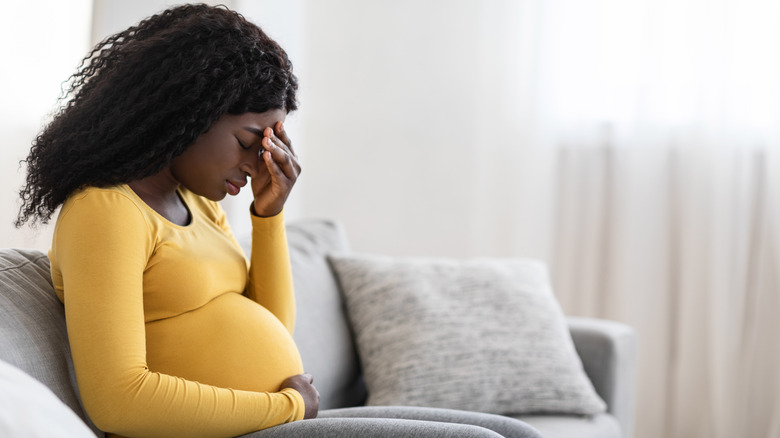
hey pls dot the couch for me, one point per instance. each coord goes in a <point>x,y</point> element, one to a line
<point>36,359</point>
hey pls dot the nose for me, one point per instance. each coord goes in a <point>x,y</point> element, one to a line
<point>250,164</point>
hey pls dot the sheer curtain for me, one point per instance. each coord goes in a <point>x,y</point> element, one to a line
<point>665,118</point>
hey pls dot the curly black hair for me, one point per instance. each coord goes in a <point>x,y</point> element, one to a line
<point>144,95</point>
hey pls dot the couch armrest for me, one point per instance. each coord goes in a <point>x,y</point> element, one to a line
<point>608,353</point>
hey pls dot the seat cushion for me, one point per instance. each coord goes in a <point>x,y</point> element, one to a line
<point>567,426</point>
<point>505,426</point>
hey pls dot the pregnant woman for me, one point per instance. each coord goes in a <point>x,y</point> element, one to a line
<point>172,332</point>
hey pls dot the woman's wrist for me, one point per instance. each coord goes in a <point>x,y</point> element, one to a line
<point>263,214</point>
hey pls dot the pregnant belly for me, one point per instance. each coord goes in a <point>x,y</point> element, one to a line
<point>231,342</point>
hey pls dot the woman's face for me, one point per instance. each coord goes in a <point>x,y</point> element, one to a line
<point>221,158</point>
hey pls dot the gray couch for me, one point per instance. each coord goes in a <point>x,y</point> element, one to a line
<point>33,339</point>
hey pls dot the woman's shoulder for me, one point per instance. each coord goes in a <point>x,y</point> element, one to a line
<point>119,194</point>
<point>119,201</point>
<point>97,217</point>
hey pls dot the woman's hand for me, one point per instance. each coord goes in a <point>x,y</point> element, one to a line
<point>272,188</point>
<point>303,383</point>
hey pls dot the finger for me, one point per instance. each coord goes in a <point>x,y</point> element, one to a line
<point>287,162</point>
<point>269,133</point>
<point>282,134</point>
<point>278,176</point>
<point>261,178</point>
<point>282,144</point>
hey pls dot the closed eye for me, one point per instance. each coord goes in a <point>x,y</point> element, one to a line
<point>243,146</point>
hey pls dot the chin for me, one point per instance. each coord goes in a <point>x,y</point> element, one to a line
<point>211,196</point>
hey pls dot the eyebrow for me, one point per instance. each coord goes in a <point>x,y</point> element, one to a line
<point>255,131</point>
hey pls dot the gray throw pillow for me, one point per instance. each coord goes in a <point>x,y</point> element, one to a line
<point>481,335</point>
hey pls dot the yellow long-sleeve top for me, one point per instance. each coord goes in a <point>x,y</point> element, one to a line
<point>171,332</point>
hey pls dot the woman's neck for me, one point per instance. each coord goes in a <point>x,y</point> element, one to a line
<point>159,192</point>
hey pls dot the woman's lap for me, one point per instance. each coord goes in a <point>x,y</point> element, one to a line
<point>372,428</point>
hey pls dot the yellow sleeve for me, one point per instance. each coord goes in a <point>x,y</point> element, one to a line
<point>270,275</point>
<point>102,244</point>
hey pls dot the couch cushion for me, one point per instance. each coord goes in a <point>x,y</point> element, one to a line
<point>501,424</point>
<point>481,335</point>
<point>321,329</point>
<point>33,336</point>
<point>29,409</point>
<point>567,426</point>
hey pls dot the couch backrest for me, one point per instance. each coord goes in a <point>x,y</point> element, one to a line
<point>322,331</point>
<point>32,325</point>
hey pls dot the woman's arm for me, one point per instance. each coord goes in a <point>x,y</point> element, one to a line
<point>102,258</point>
<point>270,276</point>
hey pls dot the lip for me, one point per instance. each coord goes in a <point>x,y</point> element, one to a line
<point>234,188</point>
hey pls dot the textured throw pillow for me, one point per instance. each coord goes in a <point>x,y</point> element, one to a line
<point>482,335</point>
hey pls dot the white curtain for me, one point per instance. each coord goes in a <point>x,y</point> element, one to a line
<point>665,120</point>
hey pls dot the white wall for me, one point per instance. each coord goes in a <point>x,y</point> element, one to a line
<point>415,114</point>
<point>41,43</point>
<point>112,16</point>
